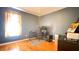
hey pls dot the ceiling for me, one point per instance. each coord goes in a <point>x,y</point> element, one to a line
<point>40,11</point>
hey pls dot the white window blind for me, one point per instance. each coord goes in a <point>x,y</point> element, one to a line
<point>12,24</point>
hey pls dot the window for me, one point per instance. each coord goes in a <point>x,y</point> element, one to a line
<point>12,24</point>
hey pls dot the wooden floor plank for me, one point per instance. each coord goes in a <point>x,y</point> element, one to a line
<point>30,45</point>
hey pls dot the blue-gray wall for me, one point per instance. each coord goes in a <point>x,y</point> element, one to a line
<point>1,24</point>
<point>59,21</point>
<point>29,23</point>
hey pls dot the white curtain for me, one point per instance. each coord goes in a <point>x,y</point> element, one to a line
<point>12,24</point>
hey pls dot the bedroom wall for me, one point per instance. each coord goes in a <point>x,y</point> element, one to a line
<point>59,21</point>
<point>1,24</point>
<point>29,23</point>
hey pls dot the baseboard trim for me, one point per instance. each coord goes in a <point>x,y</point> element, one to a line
<point>13,41</point>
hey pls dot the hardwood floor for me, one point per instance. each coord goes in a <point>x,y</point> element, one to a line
<point>30,45</point>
